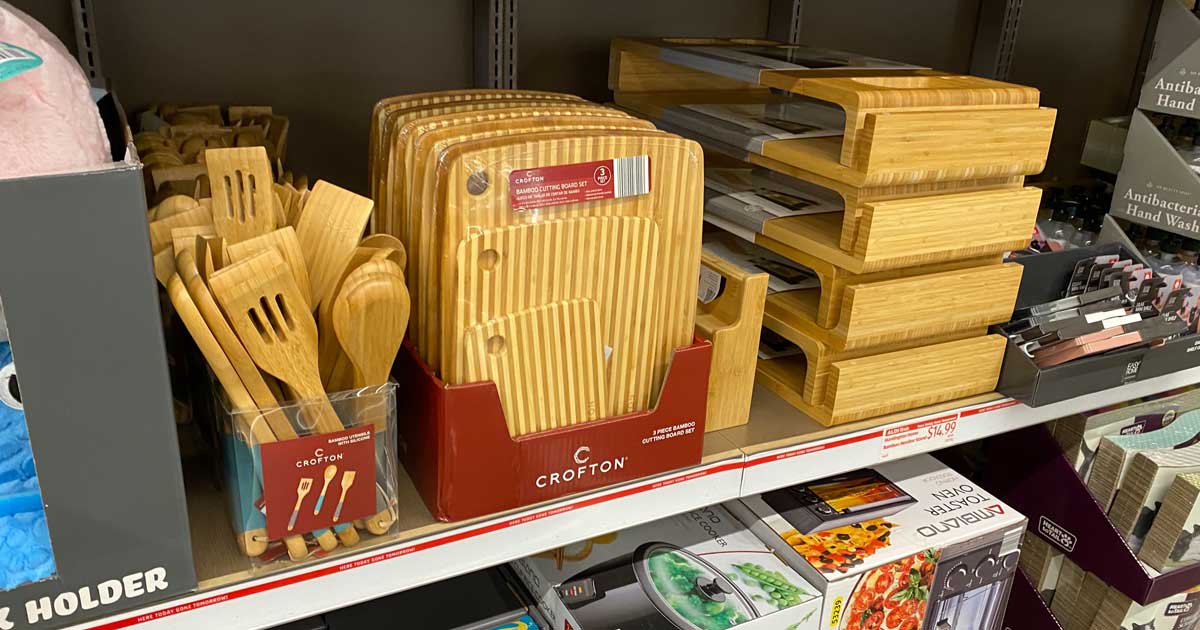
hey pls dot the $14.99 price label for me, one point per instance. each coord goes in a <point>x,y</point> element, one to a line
<point>919,437</point>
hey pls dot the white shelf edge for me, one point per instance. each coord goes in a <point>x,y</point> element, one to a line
<point>277,599</point>
<point>283,597</point>
<point>808,461</point>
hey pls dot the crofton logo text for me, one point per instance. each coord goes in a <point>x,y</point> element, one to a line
<point>586,468</point>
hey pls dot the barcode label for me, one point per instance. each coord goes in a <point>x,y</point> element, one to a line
<point>631,176</point>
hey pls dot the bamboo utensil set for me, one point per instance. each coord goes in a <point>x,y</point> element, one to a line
<point>553,246</point>
<point>245,282</point>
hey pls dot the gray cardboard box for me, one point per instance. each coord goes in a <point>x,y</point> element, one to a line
<point>1157,186</point>
<point>1173,74</point>
<point>83,315</point>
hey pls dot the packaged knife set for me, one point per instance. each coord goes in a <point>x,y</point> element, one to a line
<point>554,246</point>
<point>1111,303</point>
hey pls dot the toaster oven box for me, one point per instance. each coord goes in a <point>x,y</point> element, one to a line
<point>703,570</point>
<point>906,544</point>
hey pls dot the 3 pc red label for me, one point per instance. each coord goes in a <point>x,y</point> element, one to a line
<point>533,188</point>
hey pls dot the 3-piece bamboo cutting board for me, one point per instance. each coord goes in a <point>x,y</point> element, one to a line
<point>571,303</point>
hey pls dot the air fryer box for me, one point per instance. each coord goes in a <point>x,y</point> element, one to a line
<point>907,544</point>
<point>83,317</point>
<point>702,569</point>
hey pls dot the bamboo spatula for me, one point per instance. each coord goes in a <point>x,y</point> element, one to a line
<point>284,241</point>
<point>547,364</point>
<point>242,192</point>
<point>263,304</point>
<point>329,229</point>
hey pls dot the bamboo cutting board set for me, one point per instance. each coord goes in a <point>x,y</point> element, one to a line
<point>553,246</point>
<point>899,187</point>
<point>245,270</point>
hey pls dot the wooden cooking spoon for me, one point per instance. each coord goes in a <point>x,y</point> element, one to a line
<point>387,241</point>
<point>370,316</point>
<point>329,229</point>
<point>329,351</point>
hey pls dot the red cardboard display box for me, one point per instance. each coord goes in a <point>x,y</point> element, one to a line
<point>455,444</point>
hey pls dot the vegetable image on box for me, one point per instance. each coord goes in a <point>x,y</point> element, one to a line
<point>347,481</point>
<point>330,473</point>
<point>301,492</point>
<point>657,582</point>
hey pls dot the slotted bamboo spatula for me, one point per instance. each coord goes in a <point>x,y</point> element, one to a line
<point>284,241</point>
<point>252,542</point>
<point>242,192</point>
<point>609,260</point>
<point>547,364</point>
<point>329,229</point>
<point>263,303</point>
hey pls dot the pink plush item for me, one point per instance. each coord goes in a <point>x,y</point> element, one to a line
<point>48,120</point>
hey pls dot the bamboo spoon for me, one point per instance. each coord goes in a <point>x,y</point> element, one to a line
<point>370,316</point>
<point>387,241</point>
<point>160,231</point>
<point>330,473</point>
<point>328,349</point>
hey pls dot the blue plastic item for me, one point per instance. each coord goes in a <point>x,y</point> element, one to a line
<point>25,552</point>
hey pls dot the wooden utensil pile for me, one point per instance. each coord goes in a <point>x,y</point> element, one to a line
<point>174,151</point>
<point>245,274</point>
<point>572,309</point>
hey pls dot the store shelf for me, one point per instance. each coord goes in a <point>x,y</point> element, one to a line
<point>779,447</point>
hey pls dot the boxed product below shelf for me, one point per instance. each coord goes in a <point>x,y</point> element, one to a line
<point>1062,511</point>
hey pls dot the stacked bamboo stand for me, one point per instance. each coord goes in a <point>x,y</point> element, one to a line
<point>930,171</point>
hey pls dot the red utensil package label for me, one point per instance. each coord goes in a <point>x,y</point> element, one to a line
<point>533,188</point>
<point>320,481</point>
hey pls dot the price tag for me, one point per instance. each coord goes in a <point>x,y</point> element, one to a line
<point>919,437</point>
